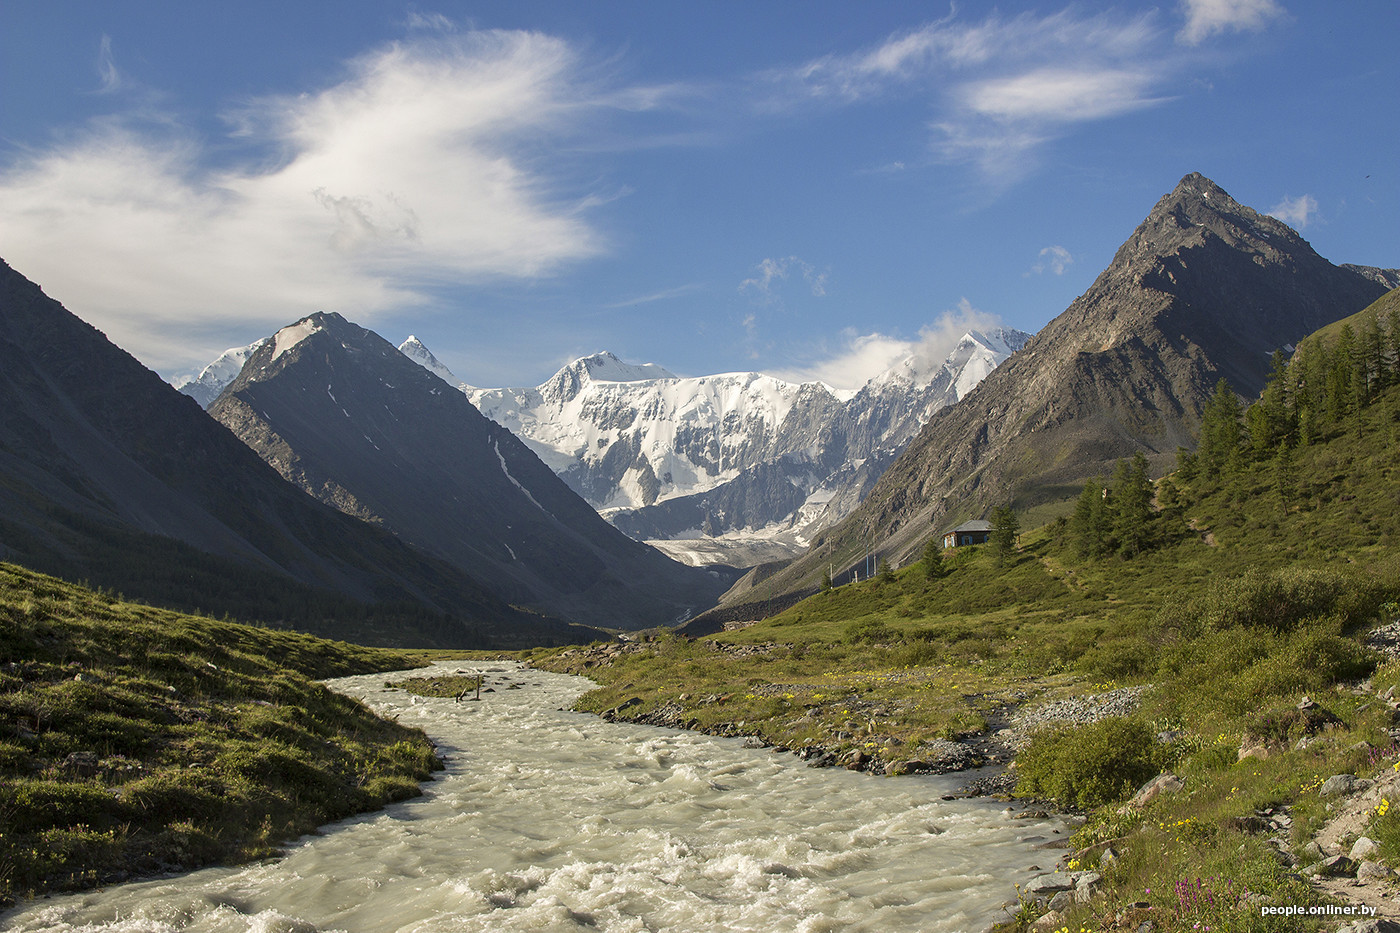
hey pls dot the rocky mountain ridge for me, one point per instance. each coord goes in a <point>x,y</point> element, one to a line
<point>1205,288</point>
<point>342,414</point>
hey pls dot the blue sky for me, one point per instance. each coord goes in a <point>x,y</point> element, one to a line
<point>804,188</point>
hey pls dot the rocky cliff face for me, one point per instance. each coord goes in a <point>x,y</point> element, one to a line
<point>1204,288</point>
<point>341,413</point>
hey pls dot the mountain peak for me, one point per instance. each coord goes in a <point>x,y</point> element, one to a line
<point>416,350</point>
<point>212,379</point>
<point>605,366</point>
<point>1198,202</point>
<point>934,361</point>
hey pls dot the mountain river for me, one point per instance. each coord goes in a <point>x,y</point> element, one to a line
<point>558,821</point>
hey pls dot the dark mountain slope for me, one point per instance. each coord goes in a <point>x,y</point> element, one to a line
<point>108,474</point>
<point>343,414</point>
<point>1204,288</point>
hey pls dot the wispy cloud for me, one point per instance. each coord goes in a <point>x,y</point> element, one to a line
<point>423,166</point>
<point>1296,212</point>
<point>107,74</point>
<point>857,358</point>
<point>664,295</point>
<point>1053,259</point>
<point>1001,88</point>
<point>771,272</point>
<point>1205,18</point>
<point>429,22</point>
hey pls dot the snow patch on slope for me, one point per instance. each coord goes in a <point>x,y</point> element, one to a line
<point>496,445</point>
<point>293,334</point>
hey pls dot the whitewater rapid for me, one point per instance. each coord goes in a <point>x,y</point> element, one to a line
<point>547,820</point>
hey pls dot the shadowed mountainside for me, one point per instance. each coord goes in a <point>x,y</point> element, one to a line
<point>109,475</point>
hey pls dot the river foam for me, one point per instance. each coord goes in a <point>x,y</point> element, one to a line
<point>547,820</point>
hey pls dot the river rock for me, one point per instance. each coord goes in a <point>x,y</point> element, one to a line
<point>613,713</point>
<point>1364,848</point>
<point>1338,784</point>
<point>83,764</point>
<point>1166,783</point>
<point>1049,921</point>
<point>1370,870</point>
<point>1048,884</point>
<point>1252,747</point>
<point>1338,866</point>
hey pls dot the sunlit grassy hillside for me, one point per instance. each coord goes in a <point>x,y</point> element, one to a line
<point>136,740</point>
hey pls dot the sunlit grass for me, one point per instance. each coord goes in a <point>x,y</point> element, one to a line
<point>135,739</point>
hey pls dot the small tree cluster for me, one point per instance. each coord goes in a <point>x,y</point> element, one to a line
<point>1120,518</point>
<point>1326,386</point>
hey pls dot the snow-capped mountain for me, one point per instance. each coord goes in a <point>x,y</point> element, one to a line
<point>215,377</point>
<point>743,455</point>
<point>627,436</point>
<point>413,349</point>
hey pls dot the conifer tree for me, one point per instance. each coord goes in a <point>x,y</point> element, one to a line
<point>933,558</point>
<point>1089,524</point>
<point>1132,506</point>
<point>1005,528</point>
<point>1372,340</point>
<point>1185,464</point>
<point>1340,400</point>
<point>1269,420</point>
<point>1220,429</point>
<point>1393,343</point>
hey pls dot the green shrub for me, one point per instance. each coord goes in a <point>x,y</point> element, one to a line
<point>869,632</point>
<point>1117,660</point>
<point>1273,601</point>
<point>31,805</point>
<point>1088,766</point>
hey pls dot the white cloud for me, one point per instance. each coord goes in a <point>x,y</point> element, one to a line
<point>771,272</point>
<point>416,170</point>
<point>1002,88</point>
<point>858,358</point>
<point>1060,95</point>
<point>1205,18</point>
<point>1296,212</point>
<point>1054,259</point>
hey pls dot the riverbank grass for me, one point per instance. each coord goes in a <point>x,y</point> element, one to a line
<point>136,740</point>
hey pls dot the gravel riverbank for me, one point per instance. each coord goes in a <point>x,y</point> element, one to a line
<point>1009,725</point>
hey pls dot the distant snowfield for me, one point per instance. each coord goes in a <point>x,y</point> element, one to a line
<point>735,549</point>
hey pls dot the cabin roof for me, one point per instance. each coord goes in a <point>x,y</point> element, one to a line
<point>977,524</point>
